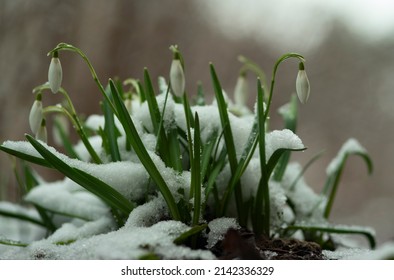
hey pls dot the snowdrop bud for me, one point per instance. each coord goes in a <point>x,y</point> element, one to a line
<point>35,116</point>
<point>241,90</point>
<point>42,132</point>
<point>55,73</point>
<point>303,87</point>
<point>177,77</point>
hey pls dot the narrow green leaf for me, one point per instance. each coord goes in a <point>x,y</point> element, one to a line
<point>10,242</point>
<point>174,150</point>
<point>261,217</point>
<point>217,167</point>
<point>289,114</point>
<point>304,169</point>
<point>109,195</point>
<point>21,217</point>
<point>68,146</point>
<point>275,158</point>
<point>334,178</point>
<point>110,129</point>
<point>142,153</point>
<point>196,171</point>
<point>27,157</point>
<point>207,150</point>
<point>152,102</point>
<point>190,233</point>
<point>338,230</point>
<point>141,92</point>
<point>247,154</point>
<point>228,139</point>
<point>167,148</point>
<point>188,118</point>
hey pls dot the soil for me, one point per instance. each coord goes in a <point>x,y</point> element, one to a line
<point>242,244</point>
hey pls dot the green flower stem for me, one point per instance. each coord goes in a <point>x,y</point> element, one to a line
<point>75,121</point>
<point>252,66</point>
<point>64,46</point>
<point>279,61</point>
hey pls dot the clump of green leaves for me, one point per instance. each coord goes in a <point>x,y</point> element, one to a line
<point>183,150</point>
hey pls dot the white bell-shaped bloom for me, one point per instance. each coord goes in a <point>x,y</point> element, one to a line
<point>36,115</point>
<point>42,132</point>
<point>55,74</point>
<point>241,91</point>
<point>302,84</point>
<point>177,77</point>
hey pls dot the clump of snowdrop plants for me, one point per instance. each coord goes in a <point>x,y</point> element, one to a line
<point>155,175</point>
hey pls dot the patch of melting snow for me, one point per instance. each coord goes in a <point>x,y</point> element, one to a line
<point>218,228</point>
<point>350,146</point>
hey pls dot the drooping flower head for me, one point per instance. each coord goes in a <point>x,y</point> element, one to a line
<point>55,73</point>
<point>36,115</point>
<point>302,84</point>
<point>241,90</point>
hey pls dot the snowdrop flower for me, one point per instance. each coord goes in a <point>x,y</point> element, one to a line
<point>177,76</point>
<point>36,115</point>
<point>55,73</point>
<point>302,84</point>
<point>241,90</point>
<point>42,132</point>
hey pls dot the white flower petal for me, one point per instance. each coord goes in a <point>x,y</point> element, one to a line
<point>241,91</point>
<point>35,116</point>
<point>55,74</point>
<point>302,86</point>
<point>177,77</point>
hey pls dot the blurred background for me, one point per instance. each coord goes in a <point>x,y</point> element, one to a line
<point>350,63</point>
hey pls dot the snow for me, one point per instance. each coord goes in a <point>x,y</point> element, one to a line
<point>218,228</point>
<point>22,146</point>
<point>351,146</point>
<point>305,200</point>
<point>67,198</point>
<point>281,139</point>
<point>19,230</point>
<point>128,178</point>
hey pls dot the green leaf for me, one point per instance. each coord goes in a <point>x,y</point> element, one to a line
<point>27,157</point>
<point>190,233</point>
<point>196,171</point>
<point>228,139</point>
<point>110,129</point>
<point>10,242</point>
<point>109,195</point>
<point>152,102</point>
<point>135,141</point>
<point>289,113</point>
<point>276,156</point>
<point>334,178</point>
<point>68,146</point>
<point>338,230</point>
<point>261,217</point>
<point>21,217</point>
<point>168,148</point>
<point>207,150</point>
